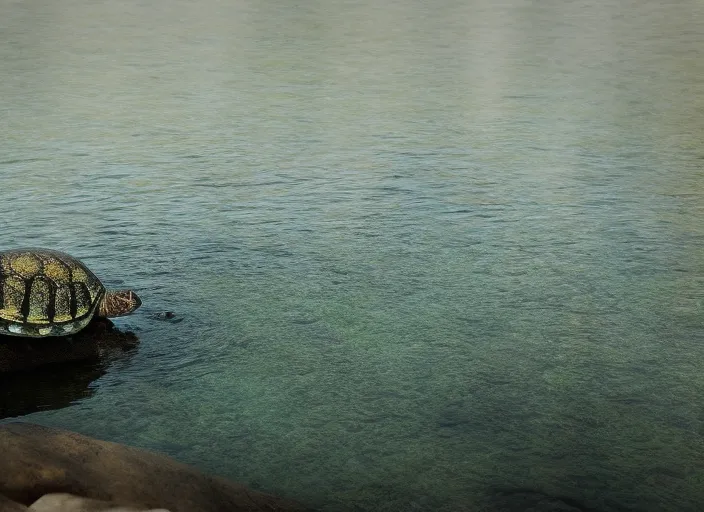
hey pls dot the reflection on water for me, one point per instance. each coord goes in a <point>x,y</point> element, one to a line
<point>39,374</point>
<point>424,252</point>
<point>49,388</point>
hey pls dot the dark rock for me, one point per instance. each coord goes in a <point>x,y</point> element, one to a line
<point>99,340</point>
<point>38,460</point>
<point>167,316</point>
<point>8,505</point>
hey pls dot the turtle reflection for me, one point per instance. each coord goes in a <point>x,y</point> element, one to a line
<point>50,373</point>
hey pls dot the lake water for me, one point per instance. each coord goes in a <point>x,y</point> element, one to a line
<point>424,253</point>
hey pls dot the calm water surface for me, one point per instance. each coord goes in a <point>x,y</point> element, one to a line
<point>423,251</point>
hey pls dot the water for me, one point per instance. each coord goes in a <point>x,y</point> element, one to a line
<point>424,252</point>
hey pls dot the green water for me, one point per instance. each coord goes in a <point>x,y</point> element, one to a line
<point>423,252</point>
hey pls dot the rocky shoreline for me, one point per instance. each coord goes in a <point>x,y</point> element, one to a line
<point>46,469</point>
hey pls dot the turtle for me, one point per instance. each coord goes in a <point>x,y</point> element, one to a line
<point>50,293</point>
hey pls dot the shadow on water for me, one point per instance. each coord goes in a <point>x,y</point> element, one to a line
<point>52,373</point>
<point>53,387</point>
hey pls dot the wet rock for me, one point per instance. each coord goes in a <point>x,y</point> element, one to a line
<point>39,460</point>
<point>167,316</point>
<point>99,340</point>
<point>62,502</point>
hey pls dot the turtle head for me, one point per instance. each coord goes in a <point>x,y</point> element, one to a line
<point>118,303</point>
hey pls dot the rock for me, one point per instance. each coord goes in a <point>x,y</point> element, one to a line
<point>166,316</point>
<point>63,502</point>
<point>98,340</point>
<point>8,505</point>
<point>38,460</point>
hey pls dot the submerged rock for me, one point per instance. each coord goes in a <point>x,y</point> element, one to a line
<point>167,316</point>
<point>97,341</point>
<point>38,460</point>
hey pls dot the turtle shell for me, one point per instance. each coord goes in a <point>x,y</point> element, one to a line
<point>46,293</point>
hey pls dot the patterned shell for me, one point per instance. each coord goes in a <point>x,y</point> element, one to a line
<point>46,293</point>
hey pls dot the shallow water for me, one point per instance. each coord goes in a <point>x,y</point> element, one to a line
<point>423,252</point>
